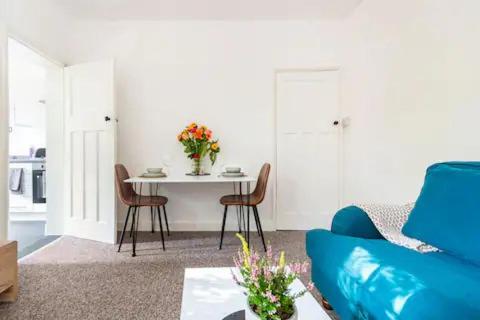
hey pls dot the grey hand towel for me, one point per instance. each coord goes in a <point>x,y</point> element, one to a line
<point>15,180</point>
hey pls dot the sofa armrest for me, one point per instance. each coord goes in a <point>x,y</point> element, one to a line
<point>353,221</point>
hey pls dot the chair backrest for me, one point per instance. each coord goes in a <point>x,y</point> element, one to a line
<point>261,187</point>
<point>125,190</point>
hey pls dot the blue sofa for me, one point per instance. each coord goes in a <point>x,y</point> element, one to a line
<point>363,276</point>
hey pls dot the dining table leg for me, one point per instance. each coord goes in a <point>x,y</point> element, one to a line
<point>242,211</point>
<point>152,215</point>
<point>237,210</point>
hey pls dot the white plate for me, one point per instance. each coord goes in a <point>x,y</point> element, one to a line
<point>153,175</point>
<point>233,169</point>
<point>233,174</point>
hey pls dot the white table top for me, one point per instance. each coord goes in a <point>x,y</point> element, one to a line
<point>211,293</point>
<point>213,178</point>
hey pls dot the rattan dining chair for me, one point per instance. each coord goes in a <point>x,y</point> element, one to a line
<point>135,201</point>
<point>252,200</point>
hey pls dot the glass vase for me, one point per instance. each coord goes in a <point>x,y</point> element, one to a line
<point>197,168</point>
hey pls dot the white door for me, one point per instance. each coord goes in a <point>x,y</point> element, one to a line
<point>90,151</point>
<point>308,167</point>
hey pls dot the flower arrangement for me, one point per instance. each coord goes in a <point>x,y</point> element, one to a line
<point>198,142</point>
<point>267,280</point>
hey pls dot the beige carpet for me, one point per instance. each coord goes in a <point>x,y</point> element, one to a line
<point>81,279</point>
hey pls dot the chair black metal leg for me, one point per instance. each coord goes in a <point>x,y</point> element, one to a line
<point>256,223</point>
<point>132,230</point>
<point>161,227</point>
<point>166,220</point>
<point>152,217</point>
<point>255,212</point>
<point>133,223</point>
<point>124,228</point>
<point>223,227</point>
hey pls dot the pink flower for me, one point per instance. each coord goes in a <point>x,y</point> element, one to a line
<point>271,297</point>
<point>310,286</point>
<point>254,258</point>
<point>295,268</point>
<point>267,272</point>
<point>305,267</point>
<point>269,252</point>
<point>254,273</point>
<point>237,262</point>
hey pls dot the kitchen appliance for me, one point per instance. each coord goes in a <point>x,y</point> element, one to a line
<point>39,183</point>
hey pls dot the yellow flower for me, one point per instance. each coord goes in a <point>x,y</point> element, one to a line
<point>281,262</point>
<point>184,135</point>
<point>245,249</point>
<point>191,126</point>
<point>214,146</point>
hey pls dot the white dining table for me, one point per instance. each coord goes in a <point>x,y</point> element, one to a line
<point>153,184</point>
<point>213,178</point>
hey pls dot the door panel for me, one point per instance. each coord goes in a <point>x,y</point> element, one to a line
<point>307,149</point>
<point>91,151</point>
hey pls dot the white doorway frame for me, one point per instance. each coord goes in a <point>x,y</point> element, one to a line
<point>340,134</point>
<point>56,226</point>
<point>4,118</point>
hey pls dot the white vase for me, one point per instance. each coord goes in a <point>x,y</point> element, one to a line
<point>251,315</point>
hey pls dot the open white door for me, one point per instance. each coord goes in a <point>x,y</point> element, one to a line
<point>90,128</point>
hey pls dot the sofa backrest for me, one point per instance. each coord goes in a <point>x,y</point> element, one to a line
<point>447,212</point>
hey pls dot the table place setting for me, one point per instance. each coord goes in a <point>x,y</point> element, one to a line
<point>232,172</point>
<point>154,173</point>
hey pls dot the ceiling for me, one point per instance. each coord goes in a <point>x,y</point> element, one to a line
<point>206,9</point>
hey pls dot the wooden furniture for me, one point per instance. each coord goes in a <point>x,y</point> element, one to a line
<point>248,200</point>
<point>8,271</point>
<point>137,182</point>
<point>135,201</point>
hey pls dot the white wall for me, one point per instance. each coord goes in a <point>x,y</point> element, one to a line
<point>27,86</point>
<point>43,27</point>
<point>408,77</point>
<point>40,24</point>
<point>410,85</point>
<point>218,73</point>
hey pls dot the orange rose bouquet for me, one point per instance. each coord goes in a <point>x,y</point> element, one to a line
<point>198,143</point>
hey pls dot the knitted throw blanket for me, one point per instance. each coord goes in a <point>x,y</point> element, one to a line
<point>389,221</point>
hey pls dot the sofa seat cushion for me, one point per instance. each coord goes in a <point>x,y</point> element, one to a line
<point>447,212</point>
<point>374,279</point>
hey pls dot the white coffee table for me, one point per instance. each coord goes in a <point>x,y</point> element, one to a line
<point>211,293</point>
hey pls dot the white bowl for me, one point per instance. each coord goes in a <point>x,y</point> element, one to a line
<point>233,169</point>
<point>155,170</point>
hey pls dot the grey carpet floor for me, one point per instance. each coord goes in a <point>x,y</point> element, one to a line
<point>80,279</point>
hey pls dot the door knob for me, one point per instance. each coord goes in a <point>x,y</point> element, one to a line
<point>335,123</point>
<point>107,118</point>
